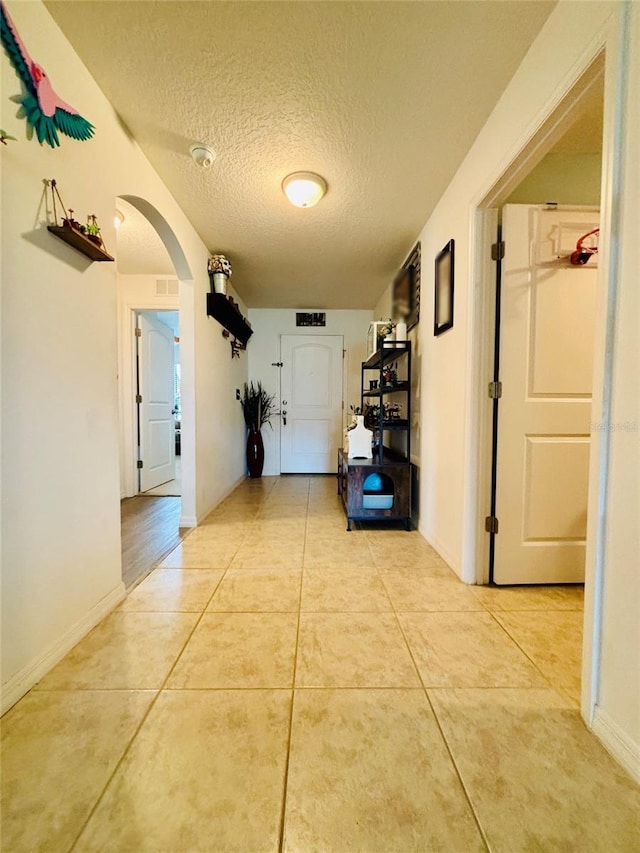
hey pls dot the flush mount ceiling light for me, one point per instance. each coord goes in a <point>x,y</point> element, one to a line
<point>202,154</point>
<point>118,218</point>
<point>304,189</point>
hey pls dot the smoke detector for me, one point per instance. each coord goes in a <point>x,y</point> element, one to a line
<point>202,155</point>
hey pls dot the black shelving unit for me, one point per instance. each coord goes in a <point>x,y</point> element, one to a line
<point>391,465</point>
<point>388,353</point>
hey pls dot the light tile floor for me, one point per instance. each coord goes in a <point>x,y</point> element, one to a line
<point>279,684</point>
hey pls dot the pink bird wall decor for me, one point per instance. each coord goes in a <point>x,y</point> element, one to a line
<point>43,109</point>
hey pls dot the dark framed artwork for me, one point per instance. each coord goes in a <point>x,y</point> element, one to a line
<point>406,290</point>
<point>444,279</point>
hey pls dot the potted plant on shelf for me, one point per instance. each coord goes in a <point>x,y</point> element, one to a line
<point>257,408</point>
<point>92,230</point>
<point>219,272</point>
<point>385,333</point>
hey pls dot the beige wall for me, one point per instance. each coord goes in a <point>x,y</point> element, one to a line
<point>618,704</point>
<point>61,569</point>
<point>567,43</point>
<point>562,178</point>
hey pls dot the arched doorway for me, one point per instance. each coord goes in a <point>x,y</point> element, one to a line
<point>154,293</point>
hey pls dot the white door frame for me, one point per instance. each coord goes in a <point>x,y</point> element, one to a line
<point>548,126</point>
<point>128,388</point>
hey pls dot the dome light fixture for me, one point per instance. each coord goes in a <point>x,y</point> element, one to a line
<point>304,189</point>
<point>202,154</point>
<point>118,218</point>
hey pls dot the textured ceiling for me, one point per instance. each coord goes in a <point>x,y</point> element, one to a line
<point>140,251</point>
<point>382,99</point>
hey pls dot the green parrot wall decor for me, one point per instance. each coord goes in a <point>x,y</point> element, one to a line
<point>43,109</point>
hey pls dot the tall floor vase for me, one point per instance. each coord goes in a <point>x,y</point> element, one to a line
<point>255,453</point>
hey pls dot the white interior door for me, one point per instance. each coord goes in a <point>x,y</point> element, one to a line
<point>546,357</point>
<point>311,404</point>
<point>155,386</point>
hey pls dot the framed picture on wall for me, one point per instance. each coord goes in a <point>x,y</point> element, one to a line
<point>444,279</point>
<point>406,290</point>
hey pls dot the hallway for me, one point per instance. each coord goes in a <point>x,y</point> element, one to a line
<point>279,684</point>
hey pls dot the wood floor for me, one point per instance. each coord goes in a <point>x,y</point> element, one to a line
<point>149,531</point>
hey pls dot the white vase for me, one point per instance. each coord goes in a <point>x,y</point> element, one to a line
<point>390,338</point>
<point>360,440</point>
<point>401,333</point>
<point>220,283</point>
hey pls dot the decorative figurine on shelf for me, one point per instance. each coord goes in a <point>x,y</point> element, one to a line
<point>43,109</point>
<point>70,221</point>
<point>371,416</point>
<point>219,272</point>
<point>355,410</point>
<point>359,440</point>
<point>390,375</point>
<point>392,411</point>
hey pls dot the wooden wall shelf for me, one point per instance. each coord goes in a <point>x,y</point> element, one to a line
<point>228,315</point>
<point>80,242</point>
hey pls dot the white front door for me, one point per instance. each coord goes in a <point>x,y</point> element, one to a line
<point>546,354</point>
<point>155,387</point>
<point>311,403</point>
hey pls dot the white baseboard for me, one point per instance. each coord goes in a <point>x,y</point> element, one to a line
<point>617,742</point>
<point>442,551</point>
<point>188,521</point>
<point>23,681</point>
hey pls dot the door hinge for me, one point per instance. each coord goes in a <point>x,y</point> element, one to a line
<point>495,390</point>
<point>139,463</point>
<point>138,332</point>
<point>138,398</point>
<point>497,251</point>
<point>344,352</point>
<point>491,524</point>
<point>276,364</point>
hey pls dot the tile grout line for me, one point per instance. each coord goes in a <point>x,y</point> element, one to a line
<point>548,681</point>
<point>467,794</point>
<point>458,772</point>
<point>143,720</point>
<point>285,786</point>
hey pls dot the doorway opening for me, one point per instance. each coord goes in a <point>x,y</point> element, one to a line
<point>155,483</point>
<point>533,298</point>
<point>158,403</point>
<point>557,179</point>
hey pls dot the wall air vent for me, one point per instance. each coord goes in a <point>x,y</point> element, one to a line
<point>166,287</point>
